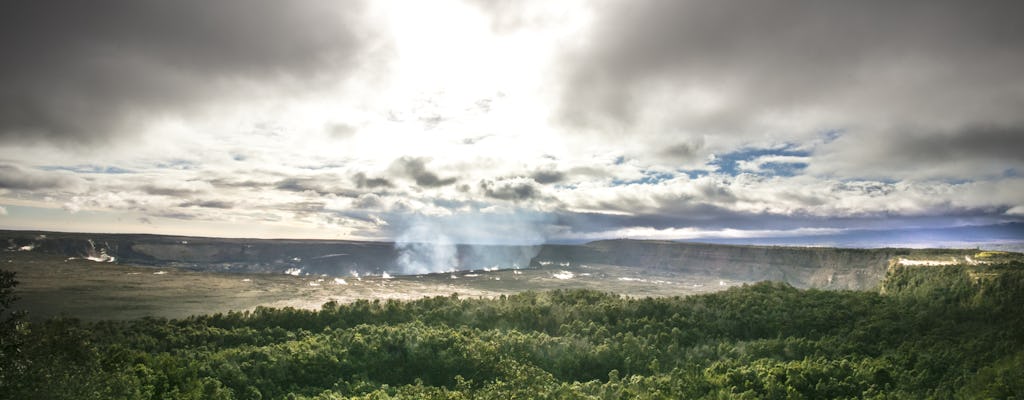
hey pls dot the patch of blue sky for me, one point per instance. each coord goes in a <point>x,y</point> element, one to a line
<point>88,169</point>
<point>830,136</point>
<point>649,178</point>
<point>694,173</point>
<point>782,169</point>
<point>729,163</point>
<point>178,164</point>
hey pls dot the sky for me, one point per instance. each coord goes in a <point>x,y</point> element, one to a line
<point>509,121</point>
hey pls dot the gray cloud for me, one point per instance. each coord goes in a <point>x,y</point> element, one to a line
<point>368,200</point>
<point>475,139</point>
<point>229,183</point>
<point>167,191</point>
<point>363,182</point>
<point>684,150</point>
<point>794,69</point>
<point>509,190</point>
<point>15,177</point>
<point>208,204</point>
<point>969,152</point>
<point>341,130</point>
<point>547,176</point>
<point>792,51</point>
<point>297,185</point>
<point>321,185</point>
<point>302,207</point>
<point>416,169</point>
<point>175,215</point>
<point>999,142</point>
<point>81,72</point>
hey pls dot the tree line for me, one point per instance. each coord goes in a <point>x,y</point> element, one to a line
<point>935,332</point>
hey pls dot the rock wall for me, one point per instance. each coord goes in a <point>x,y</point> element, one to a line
<point>805,267</point>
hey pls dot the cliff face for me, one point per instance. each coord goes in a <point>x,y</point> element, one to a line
<point>994,284</point>
<point>213,254</point>
<point>817,267</point>
<point>314,257</point>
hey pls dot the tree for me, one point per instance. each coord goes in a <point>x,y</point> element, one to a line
<point>11,362</point>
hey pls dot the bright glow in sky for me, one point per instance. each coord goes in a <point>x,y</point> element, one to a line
<point>509,121</point>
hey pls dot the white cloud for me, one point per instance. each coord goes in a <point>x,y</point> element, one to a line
<point>580,117</point>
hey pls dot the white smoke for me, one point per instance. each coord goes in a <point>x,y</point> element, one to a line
<point>469,241</point>
<point>424,248</point>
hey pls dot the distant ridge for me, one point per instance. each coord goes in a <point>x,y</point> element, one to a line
<point>799,264</point>
<point>1006,236</point>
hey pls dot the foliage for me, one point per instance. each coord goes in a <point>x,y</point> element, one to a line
<point>938,332</point>
<point>11,331</point>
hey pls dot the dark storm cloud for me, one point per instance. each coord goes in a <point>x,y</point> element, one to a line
<point>208,204</point>
<point>364,182</point>
<point>509,190</point>
<point>83,71</point>
<point>416,169</point>
<point>950,63</point>
<point>547,176</point>
<point>1005,143</point>
<point>969,152</point>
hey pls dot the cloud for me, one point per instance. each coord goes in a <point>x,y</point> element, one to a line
<point>341,130</point>
<point>84,72</point>
<point>323,184</point>
<point>415,168</point>
<point>297,185</point>
<point>968,152</point>
<point>18,178</point>
<point>368,200</point>
<point>208,204</point>
<point>904,78</point>
<point>684,150</point>
<point>363,182</point>
<point>585,119</point>
<point>547,176</point>
<point>475,139</point>
<point>169,191</point>
<point>510,189</point>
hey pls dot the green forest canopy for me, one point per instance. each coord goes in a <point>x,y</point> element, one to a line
<point>937,331</point>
